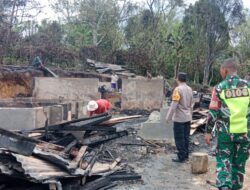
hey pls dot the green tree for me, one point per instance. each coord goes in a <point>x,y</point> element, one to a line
<point>100,16</point>
<point>242,50</point>
<point>13,14</point>
<point>210,31</point>
<point>148,31</point>
<point>66,10</point>
<point>177,41</point>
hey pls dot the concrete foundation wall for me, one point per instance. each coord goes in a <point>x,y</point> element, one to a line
<point>66,88</point>
<point>22,118</point>
<point>30,118</point>
<point>158,130</point>
<point>54,114</point>
<point>142,93</point>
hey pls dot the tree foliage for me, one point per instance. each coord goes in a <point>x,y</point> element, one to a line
<point>159,36</point>
<point>207,23</point>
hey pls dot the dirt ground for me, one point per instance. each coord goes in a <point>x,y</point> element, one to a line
<point>160,173</point>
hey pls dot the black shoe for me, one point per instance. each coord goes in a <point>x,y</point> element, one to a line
<point>178,160</point>
<point>224,188</point>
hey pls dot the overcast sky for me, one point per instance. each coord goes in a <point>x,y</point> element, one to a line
<point>48,13</point>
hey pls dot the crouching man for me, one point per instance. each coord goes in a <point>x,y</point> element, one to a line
<point>98,107</point>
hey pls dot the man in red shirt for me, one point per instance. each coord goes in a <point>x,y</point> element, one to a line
<point>98,107</point>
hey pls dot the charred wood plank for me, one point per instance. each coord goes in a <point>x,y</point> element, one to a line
<point>23,145</point>
<point>89,128</point>
<point>52,157</point>
<point>92,162</point>
<point>109,186</point>
<point>28,146</point>
<point>96,184</point>
<point>16,143</point>
<point>65,140</point>
<point>71,122</point>
<point>81,125</point>
<point>124,177</point>
<point>88,123</point>
<point>87,159</point>
<point>133,144</point>
<point>70,145</point>
<point>101,138</point>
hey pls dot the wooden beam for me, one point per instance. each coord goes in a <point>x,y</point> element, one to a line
<point>120,119</point>
<point>75,162</point>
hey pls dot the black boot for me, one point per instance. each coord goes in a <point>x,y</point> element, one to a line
<point>224,188</point>
<point>177,160</point>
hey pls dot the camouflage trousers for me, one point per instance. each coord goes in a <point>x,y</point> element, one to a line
<point>232,153</point>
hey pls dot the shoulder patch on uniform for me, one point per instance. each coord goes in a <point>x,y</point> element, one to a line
<point>176,95</point>
<point>215,103</point>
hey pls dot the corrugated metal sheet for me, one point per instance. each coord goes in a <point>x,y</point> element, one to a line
<point>5,170</point>
<point>39,169</point>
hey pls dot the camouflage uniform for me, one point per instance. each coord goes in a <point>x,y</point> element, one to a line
<point>229,112</point>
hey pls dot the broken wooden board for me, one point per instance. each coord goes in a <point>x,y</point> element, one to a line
<point>197,124</point>
<point>104,167</point>
<point>120,119</point>
<point>75,163</point>
<point>201,111</point>
<point>24,145</point>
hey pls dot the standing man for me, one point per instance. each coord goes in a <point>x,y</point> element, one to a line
<point>114,79</point>
<point>229,114</point>
<point>180,113</point>
<point>98,107</point>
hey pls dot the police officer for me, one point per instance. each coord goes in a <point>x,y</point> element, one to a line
<point>229,112</point>
<point>180,112</point>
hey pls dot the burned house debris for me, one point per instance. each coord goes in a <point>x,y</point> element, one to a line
<point>55,146</point>
<point>53,154</point>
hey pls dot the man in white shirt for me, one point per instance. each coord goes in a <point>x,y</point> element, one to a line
<point>114,79</point>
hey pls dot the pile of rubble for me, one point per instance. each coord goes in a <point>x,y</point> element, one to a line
<point>200,112</point>
<point>72,154</point>
<point>101,67</point>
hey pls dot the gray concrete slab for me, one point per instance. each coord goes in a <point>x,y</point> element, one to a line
<point>158,130</point>
<point>76,89</point>
<point>153,131</point>
<point>142,93</point>
<point>56,114</point>
<point>22,118</point>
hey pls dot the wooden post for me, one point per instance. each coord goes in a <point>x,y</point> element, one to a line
<point>52,186</point>
<point>199,163</point>
<point>69,116</point>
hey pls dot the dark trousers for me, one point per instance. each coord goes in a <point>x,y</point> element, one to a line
<point>181,136</point>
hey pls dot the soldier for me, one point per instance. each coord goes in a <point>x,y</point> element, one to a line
<point>229,113</point>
